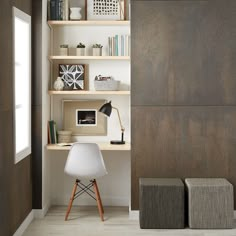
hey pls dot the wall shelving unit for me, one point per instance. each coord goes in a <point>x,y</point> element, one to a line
<point>55,59</point>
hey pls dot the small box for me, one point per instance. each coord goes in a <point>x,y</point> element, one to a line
<point>106,85</point>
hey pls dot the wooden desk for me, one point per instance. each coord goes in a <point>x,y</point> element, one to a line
<point>102,146</point>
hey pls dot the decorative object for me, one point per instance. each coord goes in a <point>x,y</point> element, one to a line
<point>106,83</point>
<point>106,109</point>
<point>64,136</point>
<point>75,13</point>
<point>64,50</point>
<point>82,117</point>
<point>58,84</point>
<point>73,76</point>
<point>80,49</point>
<point>106,9</point>
<point>97,50</point>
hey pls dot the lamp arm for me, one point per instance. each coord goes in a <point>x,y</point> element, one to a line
<point>118,113</point>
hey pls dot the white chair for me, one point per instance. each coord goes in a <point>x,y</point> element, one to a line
<point>85,161</point>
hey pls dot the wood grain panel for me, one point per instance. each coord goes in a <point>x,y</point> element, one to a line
<point>6,74</point>
<point>183,52</point>
<point>37,104</point>
<point>37,156</point>
<point>182,142</point>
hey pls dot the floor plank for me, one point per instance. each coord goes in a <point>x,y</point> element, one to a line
<point>85,221</point>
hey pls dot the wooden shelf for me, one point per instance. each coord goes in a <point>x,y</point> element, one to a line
<point>76,92</point>
<point>89,23</point>
<point>102,146</point>
<point>89,58</point>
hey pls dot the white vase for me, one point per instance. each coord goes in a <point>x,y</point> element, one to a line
<point>80,51</point>
<point>97,51</point>
<point>75,13</point>
<point>58,84</point>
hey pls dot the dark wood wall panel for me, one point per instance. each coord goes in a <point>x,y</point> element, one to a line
<point>183,100</point>
<point>182,142</point>
<point>15,179</point>
<point>37,104</point>
<point>185,52</point>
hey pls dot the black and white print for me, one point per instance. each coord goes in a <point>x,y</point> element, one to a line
<point>72,76</point>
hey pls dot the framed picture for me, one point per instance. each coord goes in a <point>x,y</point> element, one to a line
<point>86,117</point>
<point>82,117</point>
<point>105,9</point>
<point>73,76</point>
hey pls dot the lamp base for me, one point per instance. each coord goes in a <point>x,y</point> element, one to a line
<point>117,142</point>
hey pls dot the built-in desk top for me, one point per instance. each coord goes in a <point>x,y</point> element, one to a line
<point>102,146</point>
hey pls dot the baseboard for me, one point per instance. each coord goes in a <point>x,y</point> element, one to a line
<point>133,215</point>
<point>25,224</point>
<point>40,213</point>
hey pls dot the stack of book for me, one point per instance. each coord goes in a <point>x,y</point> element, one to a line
<point>52,132</point>
<point>58,10</point>
<point>119,45</point>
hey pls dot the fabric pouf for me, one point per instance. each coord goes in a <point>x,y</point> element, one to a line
<point>161,203</point>
<point>210,203</point>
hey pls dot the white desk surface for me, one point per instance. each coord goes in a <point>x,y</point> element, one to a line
<point>102,146</point>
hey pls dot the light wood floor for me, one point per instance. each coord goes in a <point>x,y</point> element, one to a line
<point>85,221</point>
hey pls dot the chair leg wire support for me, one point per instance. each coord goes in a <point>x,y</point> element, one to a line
<point>86,189</point>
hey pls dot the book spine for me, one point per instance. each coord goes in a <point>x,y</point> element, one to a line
<point>113,46</point>
<point>53,9</point>
<point>65,10</point>
<point>116,48</point>
<point>126,45</point>
<point>49,134</point>
<point>57,9</point>
<point>109,46</point>
<point>122,45</point>
<point>55,131</point>
<point>51,126</point>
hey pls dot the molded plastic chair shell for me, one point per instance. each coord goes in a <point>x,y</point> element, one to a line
<point>85,161</point>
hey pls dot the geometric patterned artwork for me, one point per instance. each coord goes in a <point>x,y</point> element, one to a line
<point>103,9</point>
<point>73,76</point>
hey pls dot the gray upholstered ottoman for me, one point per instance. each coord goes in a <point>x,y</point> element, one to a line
<point>210,203</point>
<point>161,203</point>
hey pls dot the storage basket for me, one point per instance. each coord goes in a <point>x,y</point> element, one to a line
<point>64,136</point>
<point>106,85</point>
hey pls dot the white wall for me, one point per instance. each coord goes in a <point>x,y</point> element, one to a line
<point>115,187</point>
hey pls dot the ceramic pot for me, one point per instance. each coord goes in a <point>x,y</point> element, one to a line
<point>80,51</point>
<point>75,13</point>
<point>64,51</point>
<point>97,51</point>
<point>58,84</point>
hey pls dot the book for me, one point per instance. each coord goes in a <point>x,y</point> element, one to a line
<point>65,10</point>
<point>53,10</point>
<point>56,9</point>
<point>52,132</point>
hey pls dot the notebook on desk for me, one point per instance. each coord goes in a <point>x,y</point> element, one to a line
<point>64,144</point>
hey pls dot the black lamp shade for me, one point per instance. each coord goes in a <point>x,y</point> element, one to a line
<point>106,109</point>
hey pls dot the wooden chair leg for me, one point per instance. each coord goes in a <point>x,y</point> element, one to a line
<point>99,202</point>
<point>71,199</point>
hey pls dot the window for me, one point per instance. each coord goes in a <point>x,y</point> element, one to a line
<point>22,83</point>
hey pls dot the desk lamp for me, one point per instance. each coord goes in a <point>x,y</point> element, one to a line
<point>106,109</point>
